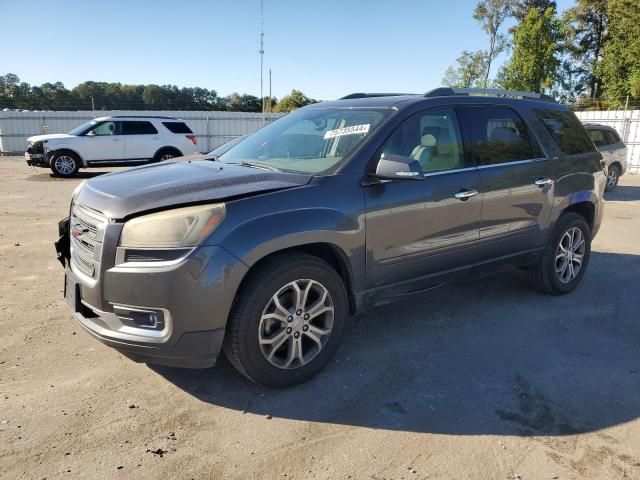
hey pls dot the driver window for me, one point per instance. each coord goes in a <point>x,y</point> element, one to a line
<point>106,128</point>
<point>432,138</point>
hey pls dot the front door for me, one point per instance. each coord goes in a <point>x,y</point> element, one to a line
<point>517,180</point>
<point>104,142</point>
<point>416,229</point>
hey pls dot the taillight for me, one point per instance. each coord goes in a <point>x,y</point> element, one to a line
<point>193,139</point>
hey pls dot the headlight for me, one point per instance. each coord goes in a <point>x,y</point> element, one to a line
<point>182,227</point>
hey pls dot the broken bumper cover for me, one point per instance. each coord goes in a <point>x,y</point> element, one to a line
<point>167,316</point>
<point>36,159</point>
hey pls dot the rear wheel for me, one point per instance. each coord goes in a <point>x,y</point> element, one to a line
<point>613,176</point>
<point>287,321</point>
<point>64,164</point>
<point>564,262</point>
<point>166,154</point>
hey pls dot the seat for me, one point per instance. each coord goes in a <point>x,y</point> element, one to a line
<point>423,152</point>
<point>444,158</point>
<point>505,135</point>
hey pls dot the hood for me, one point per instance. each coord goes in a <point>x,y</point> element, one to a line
<point>169,184</point>
<point>50,136</point>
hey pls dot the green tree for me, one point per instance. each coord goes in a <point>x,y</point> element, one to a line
<point>535,60</point>
<point>470,70</point>
<point>620,65</point>
<point>522,7</point>
<point>586,36</point>
<point>491,14</point>
<point>294,100</point>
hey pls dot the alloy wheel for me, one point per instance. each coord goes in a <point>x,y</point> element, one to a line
<point>570,255</point>
<point>612,177</point>
<point>296,324</point>
<point>64,165</point>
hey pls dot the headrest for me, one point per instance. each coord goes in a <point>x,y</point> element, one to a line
<point>445,147</point>
<point>504,134</point>
<point>428,140</point>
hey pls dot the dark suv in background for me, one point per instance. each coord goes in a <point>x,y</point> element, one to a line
<point>338,207</point>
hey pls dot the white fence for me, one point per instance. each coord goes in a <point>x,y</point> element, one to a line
<point>211,128</point>
<point>627,123</point>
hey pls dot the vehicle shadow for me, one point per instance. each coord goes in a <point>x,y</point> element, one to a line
<point>47,176</point>
<point>623,193</point>
<point>484,357</point>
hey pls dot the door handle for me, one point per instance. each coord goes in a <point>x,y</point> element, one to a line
<point>465,194</point>
<point>541,182</point>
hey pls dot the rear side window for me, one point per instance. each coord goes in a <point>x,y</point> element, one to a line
<point>612,137</point>
<point>567,131</point>
<point>138,128</point>
<point>497,135</point>
<point>177,127</point>
<point>598,137</point>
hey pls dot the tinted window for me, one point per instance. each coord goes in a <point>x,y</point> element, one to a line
<point>106,128</point>
<point>432,138</point>
<point>566,130</point>
<point>598,137</point>
<point>177,127</point>
<point>139,128</point>
<point>612,137</point>
<point>497,135</point>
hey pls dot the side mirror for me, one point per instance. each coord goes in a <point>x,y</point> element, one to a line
<point>90,134</point>
<point>397,167</point>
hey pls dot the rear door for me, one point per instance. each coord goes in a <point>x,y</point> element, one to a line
<point>517,180</point>
<point>417,229</point>
<point>142,139</point>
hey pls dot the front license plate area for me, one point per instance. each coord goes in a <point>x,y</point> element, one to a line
<point>71,292</point>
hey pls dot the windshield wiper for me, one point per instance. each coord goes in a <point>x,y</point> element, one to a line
<point>264,166</point>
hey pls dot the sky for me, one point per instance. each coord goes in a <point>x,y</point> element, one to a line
<point>326,49</point>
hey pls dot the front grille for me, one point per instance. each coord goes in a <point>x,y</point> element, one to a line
<point>87,234</point>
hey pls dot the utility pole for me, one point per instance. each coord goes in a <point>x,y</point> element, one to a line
<point>93,107</point>
<point>262,56</point>
<point>270,91</point>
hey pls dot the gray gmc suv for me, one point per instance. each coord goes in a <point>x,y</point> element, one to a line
<point>338,207</point>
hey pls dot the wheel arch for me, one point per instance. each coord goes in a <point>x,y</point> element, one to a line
<point>586,209</point>
<point>52,152</point>
<point>330,253</point>
<point>167,148</point>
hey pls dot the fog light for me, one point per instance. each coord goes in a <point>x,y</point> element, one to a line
<point>140,318</point>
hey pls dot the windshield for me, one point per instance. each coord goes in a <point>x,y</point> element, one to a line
<point>82,128</point>
<point>226,146</point>
<point>311,141</point>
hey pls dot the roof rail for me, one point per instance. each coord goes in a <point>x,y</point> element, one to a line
<point>369,95</point>
<point>491,92</point>
<point>143,116</point>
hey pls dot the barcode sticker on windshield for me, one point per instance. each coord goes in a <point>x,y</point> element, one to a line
<point>352,130</point>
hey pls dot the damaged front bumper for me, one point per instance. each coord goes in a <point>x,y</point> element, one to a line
<point>169,315</point>
<point>36,159</point>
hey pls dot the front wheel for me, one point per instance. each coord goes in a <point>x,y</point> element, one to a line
<point>287,321</point>
<point>613,176</point>
<point>564,262</point>
<point>64,164</point>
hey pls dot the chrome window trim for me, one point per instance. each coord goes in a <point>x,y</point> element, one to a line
<point>453,170</point>
<point>517,162</point>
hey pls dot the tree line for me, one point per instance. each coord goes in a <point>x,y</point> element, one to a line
<point>589,55</point>
<point>15,94</point>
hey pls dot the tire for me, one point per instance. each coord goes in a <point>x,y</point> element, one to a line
<point>613,176</point>
<point>64,164</point>
<point>166,154</point>
<point>548,274</point>
<point>256,318</point>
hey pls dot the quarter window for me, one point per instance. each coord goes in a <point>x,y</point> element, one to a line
<point>139,128</point>
<point>432,138</point>
<point>567,131</point>
<point>177,127</point>
<point>498,135</point>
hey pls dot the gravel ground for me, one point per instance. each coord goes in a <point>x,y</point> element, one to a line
<point>486,379</point>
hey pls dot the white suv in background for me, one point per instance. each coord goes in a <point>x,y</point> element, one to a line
<point>112,141</point>
<point>613,150</point>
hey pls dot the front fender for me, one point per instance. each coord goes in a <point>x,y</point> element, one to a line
<point>329,212</point>
<point>52,147</point>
